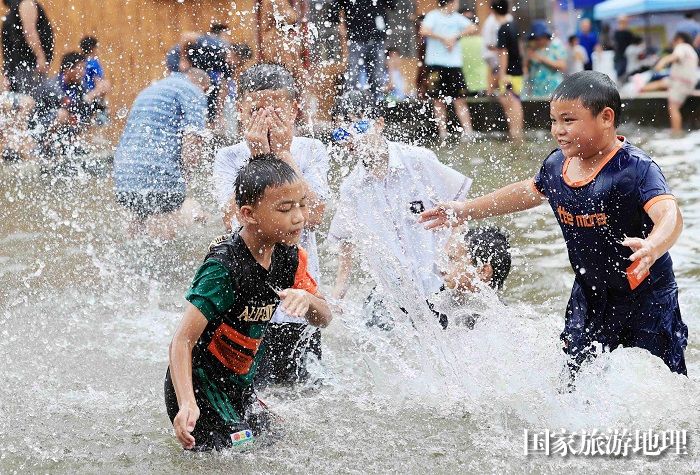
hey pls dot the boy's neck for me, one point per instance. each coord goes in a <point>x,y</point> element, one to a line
<point>609,145</point>
<point>261,249</point>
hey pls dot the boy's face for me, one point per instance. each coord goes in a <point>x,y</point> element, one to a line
<point>459,272</point>
<point>280,214</point>
<point>577,131</point>
<point>280,100</point>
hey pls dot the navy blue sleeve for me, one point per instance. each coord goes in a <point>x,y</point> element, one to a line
<point>540,179</point>
<point>653,187</point>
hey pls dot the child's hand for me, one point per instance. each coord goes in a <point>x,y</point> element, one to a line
<point>184,423</point>
<point>643,251</point>
<point>295,302</point>
<point>281,133</point>
<point>444,214</point>
<point>257,134</point>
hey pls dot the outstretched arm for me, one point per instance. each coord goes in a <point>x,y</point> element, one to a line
<point>668,224</point>
<point>180,352</point>
<point>509,199</point>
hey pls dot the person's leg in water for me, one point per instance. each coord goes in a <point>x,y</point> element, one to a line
<point>355,64</point>
<point>655,324</point>
<point>227,418</point>
<point>440,109</point>
<point>513,109</point>
<point>465,119</point>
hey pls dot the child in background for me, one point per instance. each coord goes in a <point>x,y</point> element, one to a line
<point>376,215</point>
<point>577,56</point>
<point>94,78</point>
<point>479,257</point>
<point>442,29</point>
<point>214,354</point>
<point>618,217</point>
<point>267,104</point>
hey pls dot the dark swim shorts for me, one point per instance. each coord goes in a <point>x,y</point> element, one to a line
<point>145,204</point>
<point>650,319</point>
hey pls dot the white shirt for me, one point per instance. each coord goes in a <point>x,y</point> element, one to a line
<point>311,157</point>
<point>373,214</point>
<point>685,70</point>
<point>489,35</point>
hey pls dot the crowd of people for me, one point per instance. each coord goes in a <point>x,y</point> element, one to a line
<point>48,116</point>
<point>255,312</point>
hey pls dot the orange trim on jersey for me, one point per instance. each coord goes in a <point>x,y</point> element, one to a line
<point>302,278</point>
<point>591,177</point>
<point>235,360</point>
<point>238,338</point>
<point>655,200</point>
<point>534,187</point>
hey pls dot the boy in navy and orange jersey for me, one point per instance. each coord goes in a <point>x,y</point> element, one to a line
<point>619,220</point>
<point>214,354</point>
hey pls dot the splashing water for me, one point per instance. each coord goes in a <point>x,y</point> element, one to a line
<point>86,318</point>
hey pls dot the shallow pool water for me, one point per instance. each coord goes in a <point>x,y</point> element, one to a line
<point>86,316</point>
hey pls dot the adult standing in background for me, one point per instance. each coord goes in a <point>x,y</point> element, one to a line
<point>27,45</point>
<point>366,26</point>
<point>510,69</point>
<point>546,58</point>
<point>489,35</point>
<point>622,38</point>
<point>442,29</point>
<point>588,39</point>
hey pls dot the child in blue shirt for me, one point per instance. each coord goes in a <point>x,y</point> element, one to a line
<point>94,79</point>
<point>618,217</point>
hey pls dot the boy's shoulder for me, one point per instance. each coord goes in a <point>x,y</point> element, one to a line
<point>633,156</point>
<point>555,158</point>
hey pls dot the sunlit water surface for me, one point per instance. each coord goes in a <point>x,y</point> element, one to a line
<point>86,317</point>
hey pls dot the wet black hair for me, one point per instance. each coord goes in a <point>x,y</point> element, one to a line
<point>500,6</point>
<point>442,3</point>
<point>262,172</point>
<point>683,36</point>
<point>70,60</point>
<point>217,28</point>
<point>572,38</point>
<point>266,77</point>
<point>595,90</point>
<point>489,245</point>
<point>88,45</point>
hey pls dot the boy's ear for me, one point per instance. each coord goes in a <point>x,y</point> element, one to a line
<point>608,116</point>
<point>246,214</point>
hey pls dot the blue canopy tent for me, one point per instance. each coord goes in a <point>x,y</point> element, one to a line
<point>615,8</point>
